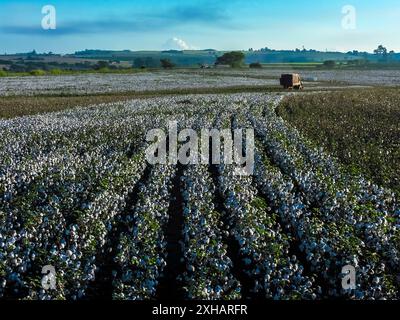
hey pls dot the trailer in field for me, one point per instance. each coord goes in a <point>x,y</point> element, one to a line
<point>291,81</point>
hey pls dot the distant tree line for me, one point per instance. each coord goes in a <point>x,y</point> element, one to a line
<point>103,60</point>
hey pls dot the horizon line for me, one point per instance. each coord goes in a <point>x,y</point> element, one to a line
<point>191,50</point>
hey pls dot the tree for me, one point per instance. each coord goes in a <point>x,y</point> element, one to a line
<point>329,64</point>
<point>381,51</point>
<point>101,65</point>
<point>234,59</point>
<point>167,64</point>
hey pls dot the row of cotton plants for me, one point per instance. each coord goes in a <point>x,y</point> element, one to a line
<point>142,248</point>
<point>77,193</point>
<point>70,207</point>
<point>328,171</point>
<point>337,200</point>
<point>264,246</point>
<point>328,246</point>
<point>208,273</point>
<point>61,216</point>
<point>370,213</point>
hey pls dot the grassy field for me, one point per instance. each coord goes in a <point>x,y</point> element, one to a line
<point>360,127</point>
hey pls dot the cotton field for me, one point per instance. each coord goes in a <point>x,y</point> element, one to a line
<point>112,83</point>
<point>180,80</point>
<point>77,194</point>
<point>346,77</point>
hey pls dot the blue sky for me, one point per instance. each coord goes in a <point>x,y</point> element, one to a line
<point>198,24</point>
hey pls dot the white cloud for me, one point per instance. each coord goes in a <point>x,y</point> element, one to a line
<point>177,44</point>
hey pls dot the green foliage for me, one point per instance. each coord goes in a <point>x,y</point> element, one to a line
<point>104,70</point>
<point>381,51</point>
<point>167,64</point>
<point>101,65</point>
<point>259,203</point>
<point>56,72</point>
<point>37,72</point>
<point>234,59</point>
<point>3,73</point>
<point>359,127</point>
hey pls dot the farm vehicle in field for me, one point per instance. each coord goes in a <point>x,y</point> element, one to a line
<point>291,81</point>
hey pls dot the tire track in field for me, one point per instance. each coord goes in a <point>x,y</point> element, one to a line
<point>170,287</point>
